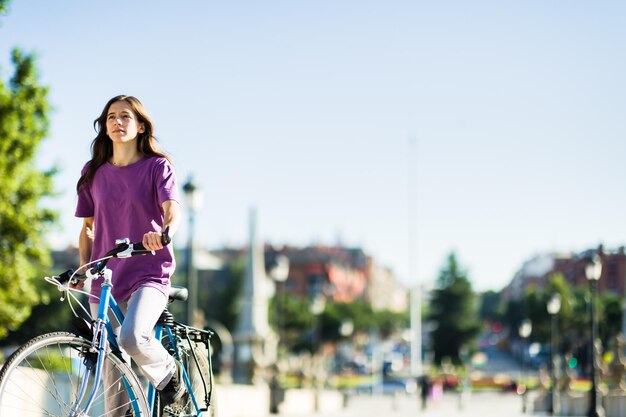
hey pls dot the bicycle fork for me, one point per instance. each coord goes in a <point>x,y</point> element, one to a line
<point>98,348</point>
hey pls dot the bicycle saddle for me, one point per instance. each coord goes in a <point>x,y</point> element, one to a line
<point>178,293</point>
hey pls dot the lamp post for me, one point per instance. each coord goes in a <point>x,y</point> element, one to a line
<point>279,274</point>
<point>524,332</point>
<point>593,271</point>
<point>193,197</point>
<point>553,307</point>
<point>317,308</point>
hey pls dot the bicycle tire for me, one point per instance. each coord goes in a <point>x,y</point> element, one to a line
<point>199,376</point>
<point>43,376</point>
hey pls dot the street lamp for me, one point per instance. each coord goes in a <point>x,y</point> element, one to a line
<point>593,271</point>
<point>524,332</point>
<point>279,272</point>
<point>554,306</point>
<point>317,308</point>
<point>193,197</point>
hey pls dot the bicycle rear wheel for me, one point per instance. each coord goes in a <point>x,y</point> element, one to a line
<point>199,376</point>
<point>44,376</point>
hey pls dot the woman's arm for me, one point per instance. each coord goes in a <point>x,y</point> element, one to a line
<point>85,240</point>
<point>85,245</point>
<point>171,216</point>
<point>171,219</point>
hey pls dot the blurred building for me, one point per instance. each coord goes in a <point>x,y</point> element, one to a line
<point>532,274</point>
<point>340,274</point>
<point>383,290</point>
<point>613,269</point>
<point>335,272</point>
<point>536,272</point>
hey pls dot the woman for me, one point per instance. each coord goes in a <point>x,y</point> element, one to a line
<point>128,189</point>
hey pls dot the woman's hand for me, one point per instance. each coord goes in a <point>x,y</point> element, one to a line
<point>171,219</point>
<point>79,285</point>
<point>89,232</point>
<point>152,241</point>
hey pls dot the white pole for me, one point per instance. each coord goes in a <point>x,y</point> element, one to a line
<point>416,332</point>
<point>415,295</point>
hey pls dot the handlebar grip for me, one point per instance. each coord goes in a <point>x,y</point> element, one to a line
<point>165,240</point>
<point>65,276</point>
<point>138,248</point>
<point>92,272</point>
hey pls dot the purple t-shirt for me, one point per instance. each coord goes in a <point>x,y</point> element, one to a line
<point>126,202</point>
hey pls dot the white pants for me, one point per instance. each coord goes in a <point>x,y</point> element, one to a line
<point>136,340</point>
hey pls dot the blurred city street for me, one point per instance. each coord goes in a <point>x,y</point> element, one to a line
<point>476,405</point>
<point>483,404</point>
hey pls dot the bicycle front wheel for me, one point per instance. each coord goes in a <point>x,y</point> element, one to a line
<point>44,378</point>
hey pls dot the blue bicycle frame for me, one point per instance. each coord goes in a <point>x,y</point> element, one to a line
<point>103,335</point>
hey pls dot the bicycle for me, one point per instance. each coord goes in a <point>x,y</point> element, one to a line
<point>61,373</point>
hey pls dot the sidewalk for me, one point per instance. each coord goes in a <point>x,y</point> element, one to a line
<point>476,405</point>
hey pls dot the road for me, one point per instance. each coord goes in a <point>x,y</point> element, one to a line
<point>476,405</point>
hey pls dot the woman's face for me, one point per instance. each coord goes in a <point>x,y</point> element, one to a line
<point>122,124</point>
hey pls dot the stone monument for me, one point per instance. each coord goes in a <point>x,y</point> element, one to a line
<point>255,342</point>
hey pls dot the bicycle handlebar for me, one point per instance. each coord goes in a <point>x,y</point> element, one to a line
<point>123,249</point>
<point>137,248</point>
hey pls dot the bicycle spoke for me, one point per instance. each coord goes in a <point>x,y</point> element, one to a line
<point>44,377</point>
<point>38,381</point>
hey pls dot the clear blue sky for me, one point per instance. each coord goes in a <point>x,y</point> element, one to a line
<point>305,111</point>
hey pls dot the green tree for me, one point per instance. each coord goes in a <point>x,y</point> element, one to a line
<point>490,306</point>
<point>291,318</point>
<point>535,302</point>
<point>557,284</point>
<point>48,315</point>
<point>300,329</point>
<point>360,312</point>
<point>535,308</point>
<point>577,330</point>
<point>24,113</point>
<point>573,324</point>
<point>452,313</point>
<point>514,314</point>
<point>572,319</point>
<point>611,316</point>
<point>576,333</point>
<point>389,322</point>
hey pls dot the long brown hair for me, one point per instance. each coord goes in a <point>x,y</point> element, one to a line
<point>102,146</point>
